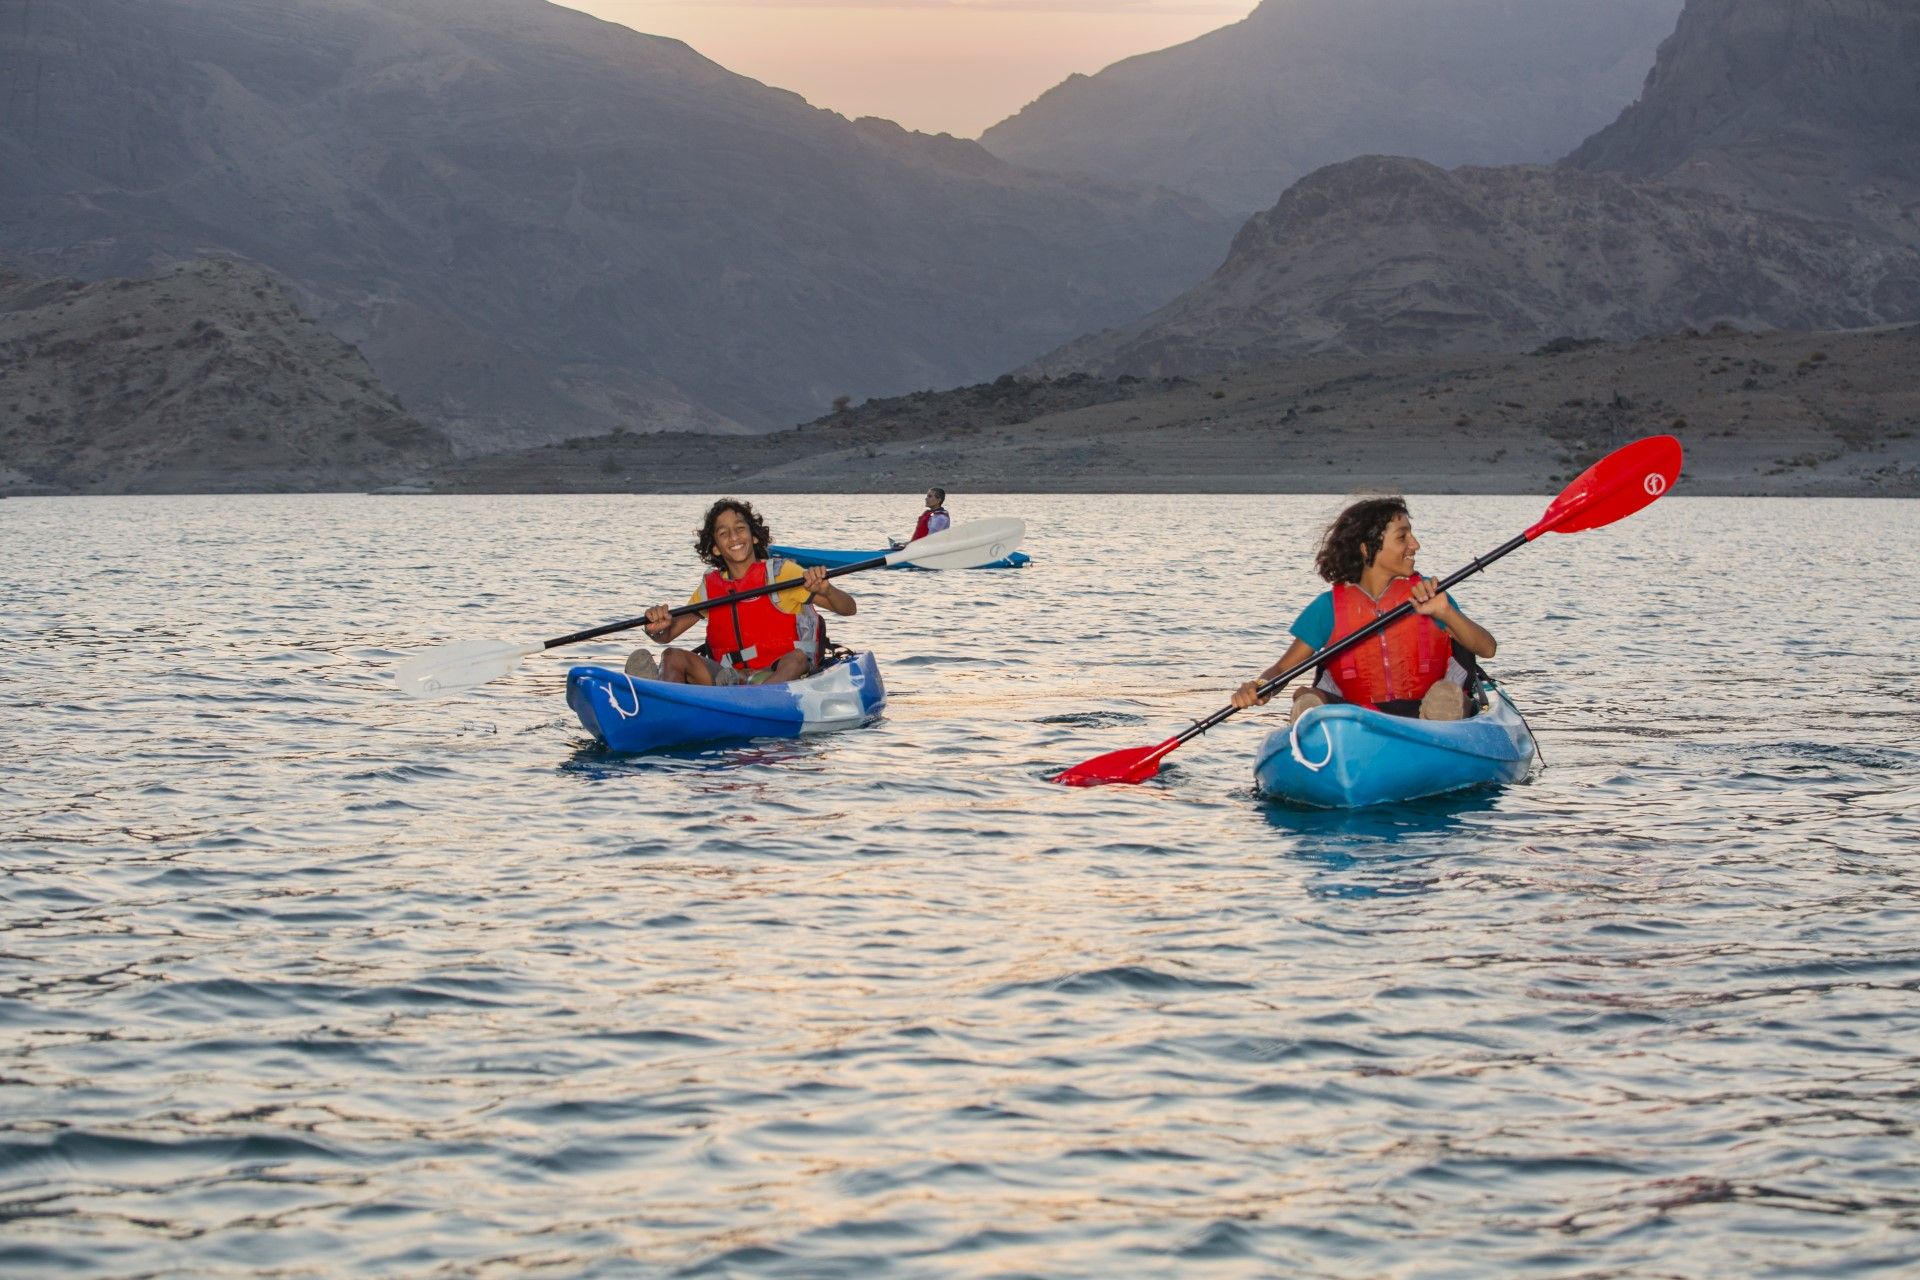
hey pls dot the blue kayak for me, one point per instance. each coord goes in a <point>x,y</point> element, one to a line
<point>631,714</point>
<point>807,557</point>
<point>1347,757</point>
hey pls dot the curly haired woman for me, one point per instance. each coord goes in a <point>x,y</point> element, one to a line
<point>1410,668</point>
<point>767,640</point>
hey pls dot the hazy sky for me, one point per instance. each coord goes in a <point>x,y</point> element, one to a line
<point>942,66</point>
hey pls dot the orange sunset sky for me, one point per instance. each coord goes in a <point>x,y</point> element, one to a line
<point>942,66</point>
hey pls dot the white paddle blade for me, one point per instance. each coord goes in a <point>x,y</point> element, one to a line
<point>453,667</point>
<point>964,546</point>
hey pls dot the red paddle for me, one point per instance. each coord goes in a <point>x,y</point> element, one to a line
<point>1613,488</point>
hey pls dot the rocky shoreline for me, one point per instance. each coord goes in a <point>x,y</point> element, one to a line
<point>1778,414</point>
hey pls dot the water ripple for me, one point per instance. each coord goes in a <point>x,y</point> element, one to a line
<point>300,978</point>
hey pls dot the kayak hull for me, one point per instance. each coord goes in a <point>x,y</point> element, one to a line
<point>1346,757</point>
<point>631,714</point>
<point>808,557</point>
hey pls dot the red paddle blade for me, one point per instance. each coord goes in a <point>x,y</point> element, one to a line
<point>1135,764</point>
<point>1629,478</point>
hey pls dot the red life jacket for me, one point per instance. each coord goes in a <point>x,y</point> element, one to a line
<point>756,633</point>
<point>1398,664</point>
<point>920,530</point>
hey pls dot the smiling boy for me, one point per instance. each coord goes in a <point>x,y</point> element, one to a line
<point>1409,669</point>
<point>767,640</point>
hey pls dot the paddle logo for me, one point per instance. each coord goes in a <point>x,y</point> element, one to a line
<point>1656,483</point>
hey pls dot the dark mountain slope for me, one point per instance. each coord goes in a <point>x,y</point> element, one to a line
<point>204,379</point>
<point>536,224</point>
<point>1240,113</point>
<point>1807,106</point>
<point>1385,256</point>
<point>1783,131</point>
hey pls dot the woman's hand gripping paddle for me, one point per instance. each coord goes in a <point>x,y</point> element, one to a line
<point>468,663</point>
<point>1613,488</point>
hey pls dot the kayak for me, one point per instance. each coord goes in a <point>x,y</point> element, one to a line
<point>1346,757</point>
<point>632,714</point>
<point>807,557</point>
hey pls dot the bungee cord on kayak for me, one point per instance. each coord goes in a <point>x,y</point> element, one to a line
<point>614,702</point>
<point>1293,746</point>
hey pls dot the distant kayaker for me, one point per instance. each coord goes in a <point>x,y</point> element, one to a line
<point>935,517</point>
<point>766,640</point>
<point>1409,669</point>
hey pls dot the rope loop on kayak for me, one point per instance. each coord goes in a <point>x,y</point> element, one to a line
<point>614,702</point>
<point>1293,744</point>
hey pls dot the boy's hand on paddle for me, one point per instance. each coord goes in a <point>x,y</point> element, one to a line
<point>1428,599</point>
<point>659,618</point>
<point>816,580</point>
<point>1248,695</point>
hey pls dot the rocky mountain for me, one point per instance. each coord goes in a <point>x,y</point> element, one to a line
<point>1784,147</point>
<point>206,378</point>
<point>1239,114</point>
<point>536,224</point>
<point>1387,256</point>
<point>1807,106</point>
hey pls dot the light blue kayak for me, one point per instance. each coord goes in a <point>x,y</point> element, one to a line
<point>1346,757</point>
<point>631,714</point>
<point>807,557</point>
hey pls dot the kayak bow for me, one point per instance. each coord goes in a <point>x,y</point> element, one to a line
<point>631,714</point>
<point>808,557</point>
<point>1341,756</point>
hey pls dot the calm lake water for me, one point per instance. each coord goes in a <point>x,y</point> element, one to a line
<point>300,978</point>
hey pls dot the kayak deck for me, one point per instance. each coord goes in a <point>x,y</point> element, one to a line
<point>1347,757</point>
<point>632,714</point>
<point>808,557</point>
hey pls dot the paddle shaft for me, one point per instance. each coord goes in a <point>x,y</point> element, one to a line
<point>682,611</point>
<point>1340,646</point>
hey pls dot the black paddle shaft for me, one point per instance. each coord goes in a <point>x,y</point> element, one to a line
<point>1344,643</point>
<point>681,611</point>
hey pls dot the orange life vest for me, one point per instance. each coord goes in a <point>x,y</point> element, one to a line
<point>1398,664</point>
<point>926,523</point>
<point>756,633</point>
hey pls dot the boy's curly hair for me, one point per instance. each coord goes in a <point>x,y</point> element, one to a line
<point>1355,538</point>
<point>703,540</point>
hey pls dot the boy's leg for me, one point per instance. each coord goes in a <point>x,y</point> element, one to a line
<point>683,666</point>
<point>791,666</point>
<point>1305,700</point>
<point>1445,701</point>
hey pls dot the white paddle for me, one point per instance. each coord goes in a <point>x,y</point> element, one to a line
<point>468,663</point>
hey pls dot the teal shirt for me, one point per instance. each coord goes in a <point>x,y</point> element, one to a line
<point>1314,626</point>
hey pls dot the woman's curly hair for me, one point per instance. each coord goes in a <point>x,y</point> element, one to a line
<point>1355,538</point>
<point>703,541</point>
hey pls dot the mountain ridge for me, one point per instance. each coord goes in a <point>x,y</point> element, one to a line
<point>535,224</point>
<point>1238,114</point>
<point>1388,255</point>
